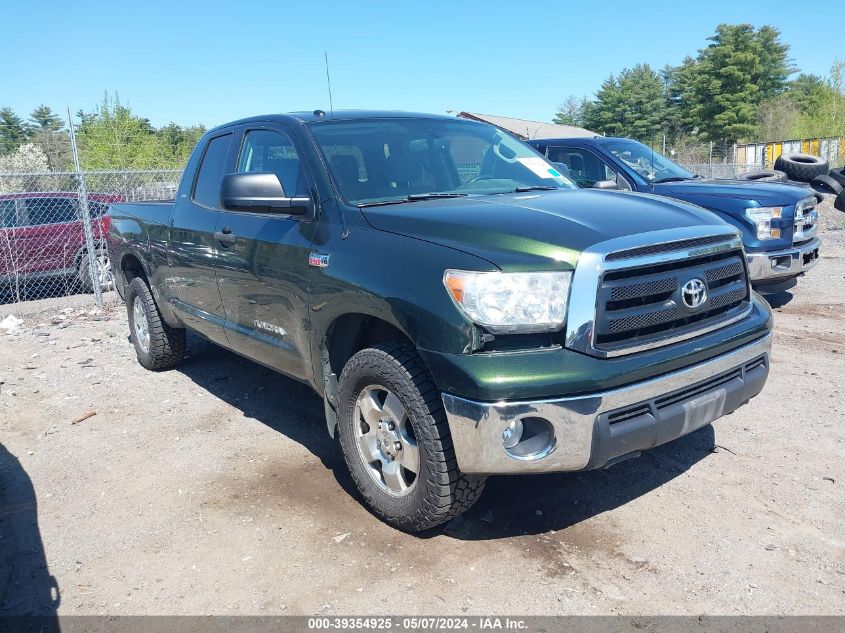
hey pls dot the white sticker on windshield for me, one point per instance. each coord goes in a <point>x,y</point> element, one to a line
<point>540,167</point>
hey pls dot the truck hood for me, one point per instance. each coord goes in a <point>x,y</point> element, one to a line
<point>537,230</point>
<point>764,193</point>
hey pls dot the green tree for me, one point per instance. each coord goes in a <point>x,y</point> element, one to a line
<point>808,92</point>
<point>45,119</point>
<point>632,104</point>
<point>14,131</point>
<point>49,134</point>
<point>678,84</point>
<point>823,107</point>
<point>115,138</point>
<point>741,67</point>
<point>180,141</point>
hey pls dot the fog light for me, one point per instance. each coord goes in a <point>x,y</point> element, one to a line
<point>513,434</point>
<point>529,438</point>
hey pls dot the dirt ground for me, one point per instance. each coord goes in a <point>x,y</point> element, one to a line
<point>214,488</point>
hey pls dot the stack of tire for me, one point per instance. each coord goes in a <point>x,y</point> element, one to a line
<point>817,172</point>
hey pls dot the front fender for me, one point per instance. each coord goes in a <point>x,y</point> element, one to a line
<point>394,278</point>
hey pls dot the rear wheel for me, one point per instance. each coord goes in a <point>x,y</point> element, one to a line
<point>396,442</point>
<point>157,345</point>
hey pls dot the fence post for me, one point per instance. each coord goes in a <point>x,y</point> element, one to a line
<point>711,160</point>
<point>91,252</point>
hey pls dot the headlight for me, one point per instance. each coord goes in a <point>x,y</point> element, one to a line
<point>511,302</point>
<point>762,217</point>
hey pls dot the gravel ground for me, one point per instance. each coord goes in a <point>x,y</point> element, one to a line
<point>215,489</point>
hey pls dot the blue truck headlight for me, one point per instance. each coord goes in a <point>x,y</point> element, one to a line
<point>506,303</point>
<point>762,218</point>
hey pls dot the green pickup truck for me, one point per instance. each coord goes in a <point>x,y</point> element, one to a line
<point>460,305</point>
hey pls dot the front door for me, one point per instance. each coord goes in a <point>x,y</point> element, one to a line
<point>193,245</point>
<point>263,273</point>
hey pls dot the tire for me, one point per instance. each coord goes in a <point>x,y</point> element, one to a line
<point>839,202</point>
<point>838,176</point>
<point>389,386</point>
<point>826,184</point>
<point>83,273</point>
<point>801,167</point>
<point>769,175</point>
<point>157,345</point>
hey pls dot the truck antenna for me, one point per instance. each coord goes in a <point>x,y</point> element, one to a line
<point>329,82</point>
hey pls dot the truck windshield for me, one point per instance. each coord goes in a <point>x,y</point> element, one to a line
<point>651,165</point>
<point>381,161</point>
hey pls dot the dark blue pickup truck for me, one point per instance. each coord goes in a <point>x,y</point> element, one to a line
<point>777,220</point>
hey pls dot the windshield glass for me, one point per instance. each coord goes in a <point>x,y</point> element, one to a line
<point>384,160</point>
<point>651,165</point>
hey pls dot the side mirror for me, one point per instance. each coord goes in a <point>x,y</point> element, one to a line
<point>260,193</point>
<point>605,184</point>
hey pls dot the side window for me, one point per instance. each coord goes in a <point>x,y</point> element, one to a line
<point>211,171</point>
<point>51,211</point>
<point>269,151</point>
<point>8,214</point>
<point>585,168</point>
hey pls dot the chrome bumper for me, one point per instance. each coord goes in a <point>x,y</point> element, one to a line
<point>790,262</point>
<point>593,430</point>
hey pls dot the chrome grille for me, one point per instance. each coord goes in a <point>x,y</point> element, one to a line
<point>806,219</point>
<point>643,304</point>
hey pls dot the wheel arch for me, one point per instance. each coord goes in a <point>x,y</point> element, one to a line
<point>345,335</point>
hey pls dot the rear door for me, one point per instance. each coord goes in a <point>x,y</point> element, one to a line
<point>193,245</point>
<point>263,273</point>
<point>52,238</point>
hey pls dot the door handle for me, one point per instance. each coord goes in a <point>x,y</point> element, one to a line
<point>225,236</point>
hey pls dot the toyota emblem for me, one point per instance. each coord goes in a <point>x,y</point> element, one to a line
<point>694,294</point>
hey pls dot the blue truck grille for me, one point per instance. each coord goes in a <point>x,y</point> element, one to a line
<point>643,304</point>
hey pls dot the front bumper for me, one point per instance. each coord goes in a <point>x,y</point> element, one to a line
<point>592,430</point>
<point>778,265</point>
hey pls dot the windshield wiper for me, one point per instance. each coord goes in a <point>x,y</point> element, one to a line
<point>434,195</point>
<point>414,197</point>
<point>534,188</point>
<point>669,179</point>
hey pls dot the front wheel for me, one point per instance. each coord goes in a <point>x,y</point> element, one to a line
<point>396,441</point>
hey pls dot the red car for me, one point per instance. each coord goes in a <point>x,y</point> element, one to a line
<point>42,237</point>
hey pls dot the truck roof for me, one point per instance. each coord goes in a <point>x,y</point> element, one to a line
<point>578,139</point>
<point>345,115</point>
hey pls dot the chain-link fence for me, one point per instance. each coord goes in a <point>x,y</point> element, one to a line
<point>53,227</point>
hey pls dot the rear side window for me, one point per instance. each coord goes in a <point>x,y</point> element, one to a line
<point>50,211</point>
<point>211,171</point>
<point>8,214</point>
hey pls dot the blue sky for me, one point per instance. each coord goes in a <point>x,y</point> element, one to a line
<point>210,62</point>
